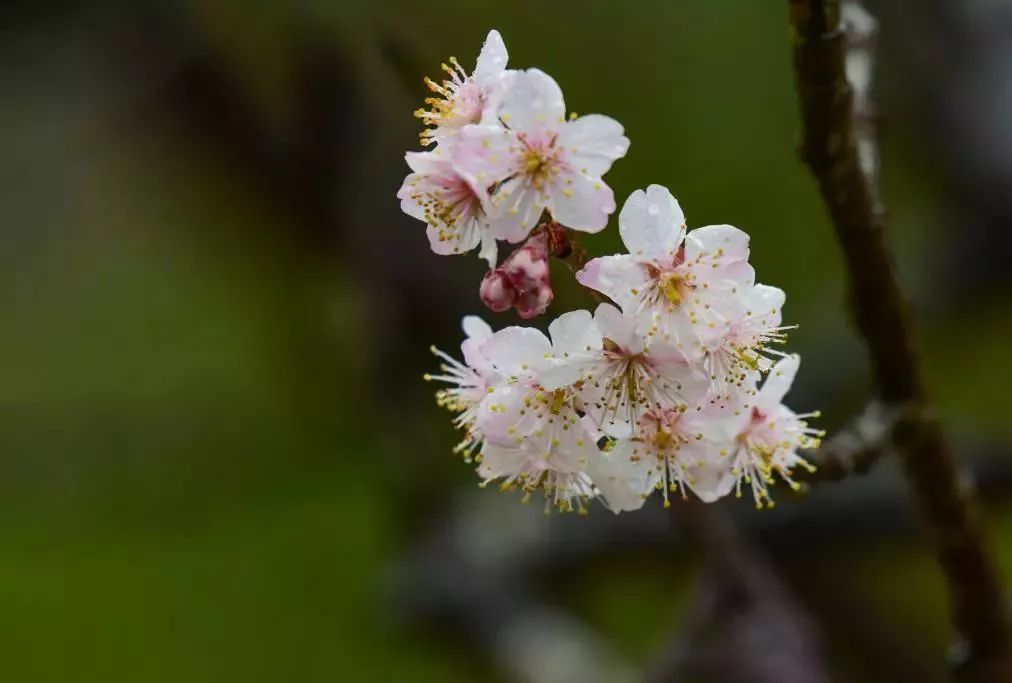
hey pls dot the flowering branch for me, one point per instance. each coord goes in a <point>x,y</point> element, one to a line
<point>672,384</point>
<point>834,146</point>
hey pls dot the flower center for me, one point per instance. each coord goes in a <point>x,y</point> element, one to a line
<point>674,287</point>
<point>556,401</point>
<point>539,161</point>
<point>449,206</point>
<point>663,439</point>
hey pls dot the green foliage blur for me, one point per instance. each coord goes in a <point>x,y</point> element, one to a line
<point>215,445</point>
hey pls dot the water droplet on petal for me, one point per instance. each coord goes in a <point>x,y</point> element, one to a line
<point>653,209</point>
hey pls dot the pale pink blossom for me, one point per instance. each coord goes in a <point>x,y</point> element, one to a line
<point>677,451</point>
<point>734,361</point>
<point>534,159</point>
<point>462,99</point>
<point>768,436</point>
<point>534,437</point>
<point>452,204</point>
<point>615,374</point>
<point>689,286</point>
<point>469,383</point>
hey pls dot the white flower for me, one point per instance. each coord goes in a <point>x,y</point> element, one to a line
<point>676,450</point>
<point>452,204</point>
<point>532,466</point>
<point>768,436</point>
<point>616,376</point>
<point>470,382</point>
<point>534,438</point>
<point>736,359</point>
<point>463,99</point>
<point>689,286</point>
<point>536,159</point>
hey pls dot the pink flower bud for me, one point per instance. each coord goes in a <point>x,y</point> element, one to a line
<point>525,270</point>
<point>534,302</point>
<point>522,280</point>
<point>496,291</point>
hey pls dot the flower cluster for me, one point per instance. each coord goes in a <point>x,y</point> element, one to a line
<point>676,385</point>
<point>504,152</point>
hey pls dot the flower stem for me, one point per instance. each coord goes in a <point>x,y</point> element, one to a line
<point>565,245</point>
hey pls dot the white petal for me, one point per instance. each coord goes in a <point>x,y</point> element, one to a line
<point>518,351</point>
<point>573,333</point>
<point>652,223</point>
<point>408,194</point>
<point>779,380</point>
<point>619,328</point>
<point>581,202</point>
<point>677,377</point>
<point>516,210</point>
<point>594,142</point>
<point>498,461</point>
<point>621,278</point>
<point>476,328</point>
<point>491,60</point>
<point>501,417</point>
<point>463,238</point>
<point>713,238</point>
<point>532,102</point>
<point>710,478</point>
<point>489,248</point>
<point>486,153</point>
<point>624,483</point>
<point>576,342</point>
<point>425,162</point>
<point>765,300</point>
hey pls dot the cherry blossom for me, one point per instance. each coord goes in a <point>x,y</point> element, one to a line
<point>537,160</point>
<point>688,285</point>
<point>534,437</point>
<point>453,205</point>
<point>615,374</point>
<point>768,436</point>
<point>677,450</point>
<point>462,99</point>
<point>736,359</point>
<point>469,383</point>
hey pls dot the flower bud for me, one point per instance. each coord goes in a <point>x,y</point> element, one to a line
<point>496,291</point>
<point>534,302</point>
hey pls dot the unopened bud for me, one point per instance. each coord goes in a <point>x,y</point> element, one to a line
<point>496,291</point>
<point>534,302</point>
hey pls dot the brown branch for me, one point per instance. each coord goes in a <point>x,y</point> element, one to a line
<point>854,449</point>
<point>744,625</point>
<point>831,147</point>
<point>565,245</point>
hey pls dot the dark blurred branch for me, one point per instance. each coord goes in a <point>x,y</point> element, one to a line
<point>855,448</point>
<point>831,146</point>
<point>743,625</point>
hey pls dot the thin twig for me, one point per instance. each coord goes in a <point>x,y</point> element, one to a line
<point>857,447</point>
<point>832,143</point>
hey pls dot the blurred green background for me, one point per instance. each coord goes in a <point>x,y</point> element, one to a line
<point>216,449</point>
